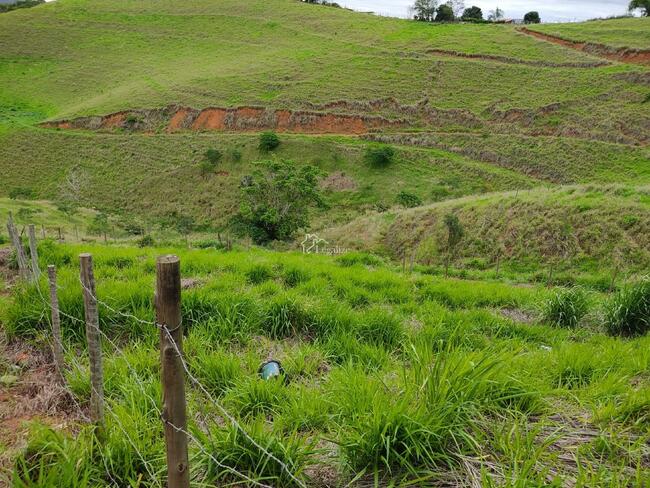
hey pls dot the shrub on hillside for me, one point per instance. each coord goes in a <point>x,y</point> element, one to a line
<point>628,312</point>
<point>379,155</point>
<point>408,200</point>
<point>210,161</point>
<point>146,241</point>
<point>21,193</point>
<point>235,155</point>
<point>276,201</point>
<point>268,141</point>
<point>566,307</point>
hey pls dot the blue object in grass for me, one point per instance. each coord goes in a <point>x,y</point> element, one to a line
<point>271,369</point>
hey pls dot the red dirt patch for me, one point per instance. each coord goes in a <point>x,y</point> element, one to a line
<point>240,119</point>
<point>626,55</point>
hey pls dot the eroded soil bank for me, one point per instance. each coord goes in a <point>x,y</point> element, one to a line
<point>626,55</point>
<point>240,119</point>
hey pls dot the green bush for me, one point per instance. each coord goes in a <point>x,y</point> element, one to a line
<point>276,199</point>
<point>213,155</point>
<point>21,193</point>
<point>408,200</point>
<point>628,312</point>
<point>235,155</point>
<point>379,155</point>
<point>146,241</point>
<point>268,141</point>
<point>566,307</point>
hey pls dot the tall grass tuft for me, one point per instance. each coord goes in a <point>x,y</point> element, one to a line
<point>566,307</point>
<point>628,312</point>
<point>237,454</point>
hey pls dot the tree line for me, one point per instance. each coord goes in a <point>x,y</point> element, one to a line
<point>454,10</point>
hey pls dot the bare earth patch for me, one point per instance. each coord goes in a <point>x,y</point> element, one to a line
<point>338,181</point>
<point>30,392</point>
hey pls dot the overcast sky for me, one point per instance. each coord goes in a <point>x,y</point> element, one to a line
<point>549,10</point>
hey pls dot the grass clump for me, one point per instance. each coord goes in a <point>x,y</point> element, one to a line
<point>628,312</point>
<point>566,307</point>
<point>238,452</point>
<point>408,200</point>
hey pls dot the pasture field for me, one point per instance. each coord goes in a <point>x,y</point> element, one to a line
<point>389,376</point>
<point>484,324</point>
<point>630,32</point>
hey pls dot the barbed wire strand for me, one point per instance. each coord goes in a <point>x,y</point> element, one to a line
<point>137,378</point>
<point>80,367</point>
<point>205,391</point>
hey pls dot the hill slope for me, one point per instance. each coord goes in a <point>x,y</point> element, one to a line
<point>166,69</point>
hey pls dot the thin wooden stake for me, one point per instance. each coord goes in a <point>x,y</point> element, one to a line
<point>56,323</point>
<point>33,252</point>
<point>94,340</point>
<point>18,246</point>
<point>42,231</point>
<point>174,412</point>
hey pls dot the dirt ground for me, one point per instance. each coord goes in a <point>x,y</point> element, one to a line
<point>29,388</point>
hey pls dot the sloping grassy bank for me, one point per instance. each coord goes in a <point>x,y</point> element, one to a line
<point>595,231</point>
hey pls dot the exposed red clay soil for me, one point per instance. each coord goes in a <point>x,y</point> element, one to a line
<point>626,55</point>
<point>241,119</point>
<point>508,60</point>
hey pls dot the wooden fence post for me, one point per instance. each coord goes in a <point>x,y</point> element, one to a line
<point>174,414</point>
<point>43,231</point>
<point>33,252</point>
<point>94,340</point>
<point>56,323</point>
<point>18,246</point>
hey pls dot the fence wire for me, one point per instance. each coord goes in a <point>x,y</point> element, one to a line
<point>205,398</point>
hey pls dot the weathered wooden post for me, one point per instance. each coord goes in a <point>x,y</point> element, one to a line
<point>174,415</point>
<point>18,246</point>
<point>56,323</point>
<point>94,340</point>
<point>43,231</point>
<point>33,252</point>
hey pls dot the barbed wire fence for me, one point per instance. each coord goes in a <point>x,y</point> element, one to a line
<point>177,435</point>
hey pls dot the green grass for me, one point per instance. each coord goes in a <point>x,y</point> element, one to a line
<point>408,384</point>
<point>161,174</point>
<point>47,218</point>
<point>630,32</point>
<point>79,57</point>
<point>591,232</point>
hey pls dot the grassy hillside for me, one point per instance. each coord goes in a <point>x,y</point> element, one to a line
<point>595,231</point>
<point>466,125</point>
<point>99,56</point>
<point>160,174</point>
<point>630,32</point>
<point>390,377</point>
